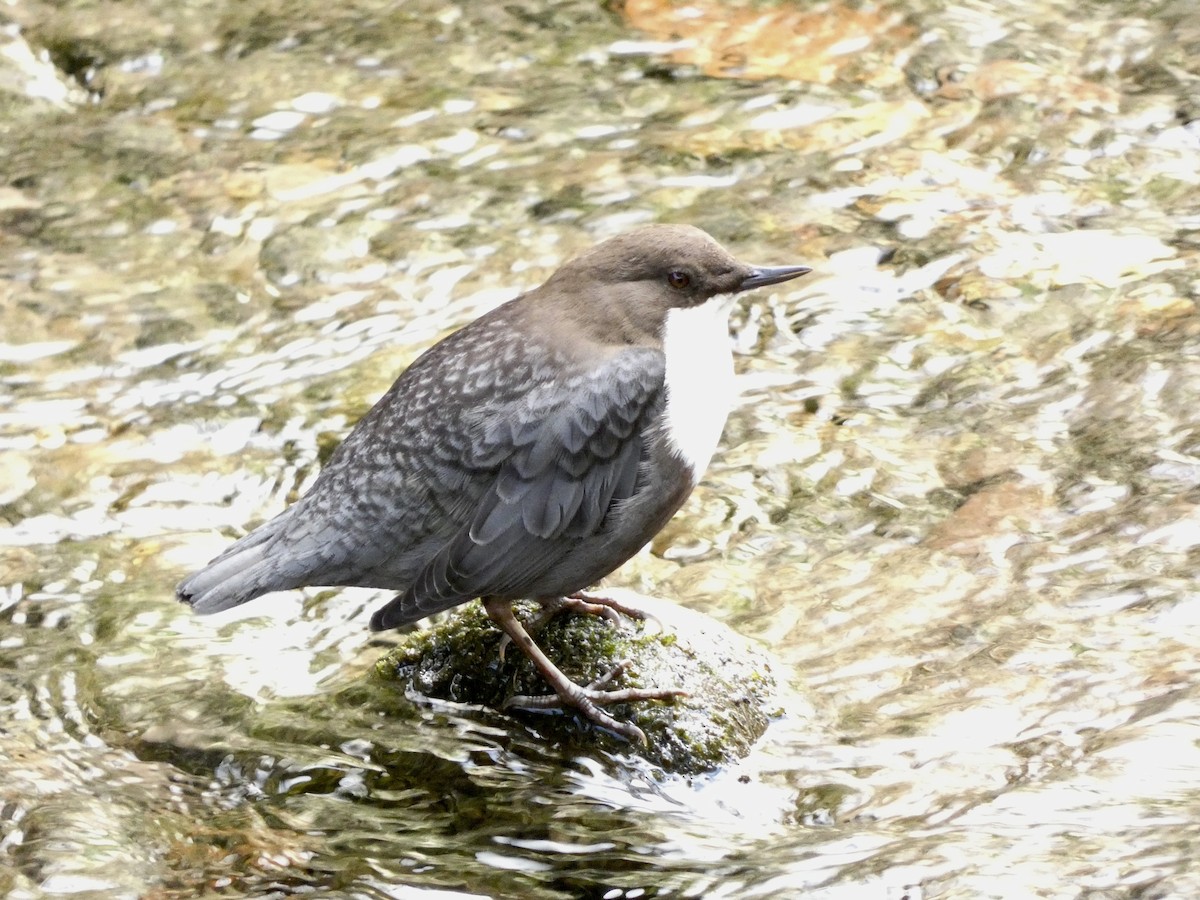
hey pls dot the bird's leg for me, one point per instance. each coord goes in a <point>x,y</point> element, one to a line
<point>576,603</point>
<point>597,605</point>
<point>579,602</point>
<point>587,700</point>
<point>542,618</point>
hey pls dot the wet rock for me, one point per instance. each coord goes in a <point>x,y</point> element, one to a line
<point>730,685</point>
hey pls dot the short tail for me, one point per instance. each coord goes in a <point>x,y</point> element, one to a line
<point>244,571</point>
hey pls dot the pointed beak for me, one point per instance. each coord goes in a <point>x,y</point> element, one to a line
<point>761,276</point>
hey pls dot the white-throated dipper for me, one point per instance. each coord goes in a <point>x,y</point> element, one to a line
<point>527,455</point>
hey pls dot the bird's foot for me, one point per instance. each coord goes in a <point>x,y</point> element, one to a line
<point>587,700</point>
<point>580,602</point>
<point>608,607</point>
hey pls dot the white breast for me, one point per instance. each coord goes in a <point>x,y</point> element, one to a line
<point>699,380</point>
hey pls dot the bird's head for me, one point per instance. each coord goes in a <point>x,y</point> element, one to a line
<point>630,282</point>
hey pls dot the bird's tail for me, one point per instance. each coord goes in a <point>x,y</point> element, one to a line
<point>245,570</point>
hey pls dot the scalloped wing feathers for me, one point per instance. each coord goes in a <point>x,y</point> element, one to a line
<point>574,450</point>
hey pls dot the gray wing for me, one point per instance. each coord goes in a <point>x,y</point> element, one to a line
<point>567,451</point>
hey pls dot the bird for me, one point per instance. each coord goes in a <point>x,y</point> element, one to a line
<point>525,456</point>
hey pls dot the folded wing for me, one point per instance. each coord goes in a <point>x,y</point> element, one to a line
<point>564,454</point>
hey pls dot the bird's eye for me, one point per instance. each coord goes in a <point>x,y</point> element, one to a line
<point>679,280</point>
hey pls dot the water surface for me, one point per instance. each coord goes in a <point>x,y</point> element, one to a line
<point>957,498</point>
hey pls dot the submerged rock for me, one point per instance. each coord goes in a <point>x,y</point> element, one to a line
<point>730,688</point>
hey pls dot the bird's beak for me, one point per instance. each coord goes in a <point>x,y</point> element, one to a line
<point>760,276</point>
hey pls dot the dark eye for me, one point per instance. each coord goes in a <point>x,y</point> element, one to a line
<point>679,280</point>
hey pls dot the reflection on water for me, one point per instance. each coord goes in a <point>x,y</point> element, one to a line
<point>957,499</point>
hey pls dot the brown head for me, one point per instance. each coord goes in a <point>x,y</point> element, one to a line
<point>623,288</point>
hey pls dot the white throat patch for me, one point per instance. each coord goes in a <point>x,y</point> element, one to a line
<point>699,380</point>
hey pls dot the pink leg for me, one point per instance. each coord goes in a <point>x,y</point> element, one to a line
<point>587,700</point>
<point>583,603</point>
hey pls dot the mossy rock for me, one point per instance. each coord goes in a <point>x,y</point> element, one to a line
<point>729,685</point>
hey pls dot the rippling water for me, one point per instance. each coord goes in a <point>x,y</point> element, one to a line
<point>957,500</point>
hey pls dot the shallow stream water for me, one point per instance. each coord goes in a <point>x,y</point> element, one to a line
<point>957,499</point>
